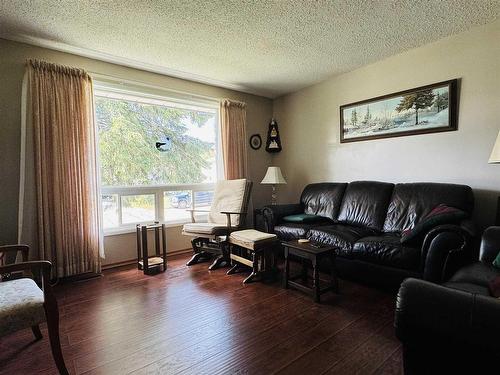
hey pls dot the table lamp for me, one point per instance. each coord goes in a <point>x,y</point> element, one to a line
<point>273,177</point>
<point>495,153</point>
<point>494,159</point>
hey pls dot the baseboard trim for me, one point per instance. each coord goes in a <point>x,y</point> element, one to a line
<point>77,278</point>
<point>133,261</point>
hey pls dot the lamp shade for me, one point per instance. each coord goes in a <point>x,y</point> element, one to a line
<point>273,176</point>
<point>495,153</point>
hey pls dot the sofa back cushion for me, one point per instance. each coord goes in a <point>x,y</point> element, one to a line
<point>365,204</point>
<point>323,199</point>
<point>411,202</point>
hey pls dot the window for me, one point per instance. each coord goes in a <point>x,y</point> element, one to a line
<point>159,156</point>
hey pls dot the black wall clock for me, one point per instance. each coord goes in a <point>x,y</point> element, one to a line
<point>255,141</point>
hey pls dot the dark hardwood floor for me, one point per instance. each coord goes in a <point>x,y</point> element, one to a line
<point>192,321</point>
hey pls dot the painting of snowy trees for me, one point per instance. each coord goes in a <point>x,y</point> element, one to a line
<point>421,110</point>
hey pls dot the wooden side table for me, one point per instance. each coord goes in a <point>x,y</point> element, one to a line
<point>158,262</point>
<point>314,255</point>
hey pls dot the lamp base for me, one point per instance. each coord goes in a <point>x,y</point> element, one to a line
<point>274,196</point>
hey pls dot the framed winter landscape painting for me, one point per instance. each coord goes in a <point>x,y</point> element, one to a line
<point>425,109</point>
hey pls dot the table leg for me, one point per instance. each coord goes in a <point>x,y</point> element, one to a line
<point>145,254</point>
<point>287,269</point>
<point>304,271</point>
<point>317,293</point>
<point>164,246</point>
<point>139,248</point>
<point>335,279</point>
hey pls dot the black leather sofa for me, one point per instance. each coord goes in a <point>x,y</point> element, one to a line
<point>452,328</point>
<point>364,220</point>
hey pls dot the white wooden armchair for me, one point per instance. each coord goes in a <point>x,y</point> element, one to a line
<point>227,213</point>
<point>24,305</point>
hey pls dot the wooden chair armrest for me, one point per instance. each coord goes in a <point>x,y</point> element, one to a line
<point>228,219</point>
<point>43,265</point>
<point>234,213</point>
<point>24,249</point>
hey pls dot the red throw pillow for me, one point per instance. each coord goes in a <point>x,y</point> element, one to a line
<point>494,287</point>
<point>441,214</point>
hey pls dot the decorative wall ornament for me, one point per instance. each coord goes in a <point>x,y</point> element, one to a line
<point>426,109</point>
<point>255,141</point>
<point>273,143</point>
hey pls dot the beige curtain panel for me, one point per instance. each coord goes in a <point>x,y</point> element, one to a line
<point>233,136</point>
<point>61,162</point>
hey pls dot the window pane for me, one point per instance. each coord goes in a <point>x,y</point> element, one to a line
<point>203,199</point>
<point>176,204</point>
<point>138,208</point>
<point>110,211</point>
<point>130,128</point>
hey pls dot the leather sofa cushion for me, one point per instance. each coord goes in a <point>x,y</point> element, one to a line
<point>478,273</point>
<point>365,204</point>
<point>341,236</point>
<point>293,231</point>
<point>410,202</point>
<point>387,250</point>
<point>323,199</point>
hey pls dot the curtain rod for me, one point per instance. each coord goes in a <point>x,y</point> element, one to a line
<point>98,76</point>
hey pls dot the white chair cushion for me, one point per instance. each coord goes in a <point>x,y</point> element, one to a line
<point>252,235</point>
<point>21,305</point>
<point>229,196</point>
<point>204,228</point>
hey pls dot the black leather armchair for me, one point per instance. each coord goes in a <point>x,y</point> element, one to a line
<point>454,327</point>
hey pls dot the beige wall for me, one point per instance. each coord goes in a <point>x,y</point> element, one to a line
<point>118,248</point>
<point>309,122</point>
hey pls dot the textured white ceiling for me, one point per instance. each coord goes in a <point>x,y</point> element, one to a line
<point>267,47</point>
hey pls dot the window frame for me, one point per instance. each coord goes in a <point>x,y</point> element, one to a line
<point>159,96</point>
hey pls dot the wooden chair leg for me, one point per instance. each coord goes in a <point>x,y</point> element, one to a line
<point>233,269</point>
<point>52,314</point>
<point>197,258</point>
<point>255,269</point>
<point>218,263</point>
<point>36,332</point>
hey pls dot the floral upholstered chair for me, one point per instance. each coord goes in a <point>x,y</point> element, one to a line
<point>24,305</point>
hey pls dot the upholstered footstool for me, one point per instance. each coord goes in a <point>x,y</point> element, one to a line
<point>255,249</point>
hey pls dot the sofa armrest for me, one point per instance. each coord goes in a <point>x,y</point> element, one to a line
<point>490,244</point>
<point>445,249</point>
<point>273,214</point>
<point>426,312</point>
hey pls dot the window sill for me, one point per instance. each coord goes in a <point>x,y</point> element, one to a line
<point>131,229</point>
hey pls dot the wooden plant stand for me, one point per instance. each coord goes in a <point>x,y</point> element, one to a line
<point>158,262</point>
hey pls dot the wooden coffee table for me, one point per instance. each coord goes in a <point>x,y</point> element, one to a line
<point>308,253</point>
